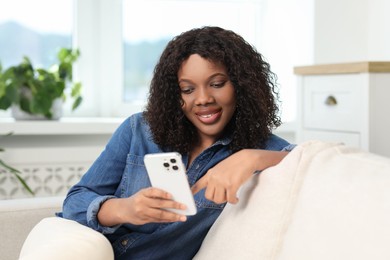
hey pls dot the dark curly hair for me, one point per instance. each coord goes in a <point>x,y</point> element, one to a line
<point>255,89</point>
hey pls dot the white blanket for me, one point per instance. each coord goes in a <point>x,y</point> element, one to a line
<point>323,201</point>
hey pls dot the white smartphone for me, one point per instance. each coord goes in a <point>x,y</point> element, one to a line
<point>167,172</point>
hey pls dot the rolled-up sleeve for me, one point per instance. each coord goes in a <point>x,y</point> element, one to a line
<point>92,219</point>
<point>100,182</point>
<point>289,148</point>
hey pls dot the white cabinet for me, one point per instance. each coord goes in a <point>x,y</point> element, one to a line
<point>347,103</point>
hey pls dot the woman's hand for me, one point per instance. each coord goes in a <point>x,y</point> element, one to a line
<point>146,206</point>
<point>224,179</point>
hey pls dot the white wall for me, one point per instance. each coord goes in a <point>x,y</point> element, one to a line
<point>351,30</point>
<point>286,32</point>
<point>379,30</point>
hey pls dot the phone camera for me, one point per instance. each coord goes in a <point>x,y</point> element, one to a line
<point>174,167</point>
<point>173,160</point>
<point>166,165</point>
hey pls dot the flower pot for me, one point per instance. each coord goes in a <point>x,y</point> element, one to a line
<point>56,109</point>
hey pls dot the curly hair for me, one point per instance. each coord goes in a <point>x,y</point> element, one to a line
<point>255,89</point>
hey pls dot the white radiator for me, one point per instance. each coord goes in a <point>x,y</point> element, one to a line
<point>48,171</point>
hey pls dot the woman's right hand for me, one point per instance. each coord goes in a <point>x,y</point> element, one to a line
<point>146,206</point>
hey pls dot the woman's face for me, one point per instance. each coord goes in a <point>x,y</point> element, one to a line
<point>208,96</point>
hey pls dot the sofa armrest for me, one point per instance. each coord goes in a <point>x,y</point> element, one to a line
<point>19,216</point>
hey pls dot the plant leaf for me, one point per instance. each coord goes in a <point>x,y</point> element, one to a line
<point>22,181</point>
<point>76,90</point>
<point>16,174</point>
<point>4,103</point>
<point>77,102</point>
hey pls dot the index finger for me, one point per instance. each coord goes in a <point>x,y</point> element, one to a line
<point>199,185</point>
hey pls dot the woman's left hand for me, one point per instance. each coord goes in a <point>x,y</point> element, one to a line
<point>224,179</point>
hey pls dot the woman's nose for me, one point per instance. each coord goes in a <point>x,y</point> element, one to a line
<point>204,96</point>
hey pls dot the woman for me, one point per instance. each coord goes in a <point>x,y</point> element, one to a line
<point>212,99</point>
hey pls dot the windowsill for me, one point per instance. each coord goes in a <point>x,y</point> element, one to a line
<point>64,126</point>
<point>83,126</point>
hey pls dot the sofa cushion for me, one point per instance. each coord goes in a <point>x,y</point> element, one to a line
<point>18,217</point>
<point>252,228</point>
<point>343,208</point>
<point>323,201</point>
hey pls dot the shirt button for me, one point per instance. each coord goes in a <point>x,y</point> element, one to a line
<point>124,242</point>
<point>197,166</point>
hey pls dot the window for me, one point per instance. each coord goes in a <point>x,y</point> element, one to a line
<point>148,25</point>
<point>35,29</point>
<point>121,40</point>
<point>280,30</point>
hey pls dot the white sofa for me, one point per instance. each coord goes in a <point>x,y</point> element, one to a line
<point>18,217</point>
<point>323,201</point>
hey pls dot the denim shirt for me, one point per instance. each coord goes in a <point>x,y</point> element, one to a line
<point>119,172</point>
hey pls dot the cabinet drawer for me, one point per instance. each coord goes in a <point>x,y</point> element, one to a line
<point>334,102</point>
<point>349,139</point>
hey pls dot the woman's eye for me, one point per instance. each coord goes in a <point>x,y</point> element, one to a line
<point>187,90</point>
<point>218,84</point>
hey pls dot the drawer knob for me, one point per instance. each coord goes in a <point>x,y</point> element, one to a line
<point>331,101</point>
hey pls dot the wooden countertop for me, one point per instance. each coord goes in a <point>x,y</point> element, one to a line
<point>342,68</point>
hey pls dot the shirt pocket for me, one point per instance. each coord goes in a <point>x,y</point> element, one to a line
<point>203,203</point>
<point>135,176</point>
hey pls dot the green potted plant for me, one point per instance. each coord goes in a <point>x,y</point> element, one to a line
<point>35,91</point>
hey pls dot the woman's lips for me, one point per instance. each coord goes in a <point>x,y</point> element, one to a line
<point>209,117</point>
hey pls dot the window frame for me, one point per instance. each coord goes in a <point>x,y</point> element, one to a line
<point>103,25</point>
<point>98,34</point>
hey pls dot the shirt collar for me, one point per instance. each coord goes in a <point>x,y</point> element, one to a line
<point>225,140</point>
